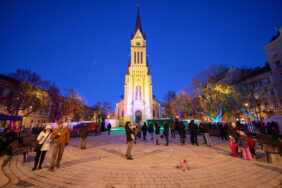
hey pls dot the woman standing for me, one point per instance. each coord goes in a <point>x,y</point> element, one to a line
<point>43,138</point>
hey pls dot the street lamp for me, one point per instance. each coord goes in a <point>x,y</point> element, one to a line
<point>246,104</point>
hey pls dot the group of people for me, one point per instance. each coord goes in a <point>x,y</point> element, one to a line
<point>133,131</point>
<point>61,137</point>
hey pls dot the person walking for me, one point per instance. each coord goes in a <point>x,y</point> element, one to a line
<point>165,132</point>
<point>172,129</point>
<point>151,130</point>
<point>109,126</point>
<point>83,136</point>
<point>206,132</point>
<point>193,129</point>
<point>144,130</point>
<point>44,138</point>
<point>182,132</point>
<point>129,132</point>
<point>243,143</point>
<point>157,132</point>
<point>61,136</point>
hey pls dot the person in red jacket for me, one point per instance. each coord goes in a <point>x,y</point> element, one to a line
<point>251,145</point>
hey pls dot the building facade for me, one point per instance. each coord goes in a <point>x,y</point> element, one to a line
<point>273,52</point>
<point>138,103</point>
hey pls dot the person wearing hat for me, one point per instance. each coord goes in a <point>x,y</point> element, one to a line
<point>61,136</point>
<point>43,138</point>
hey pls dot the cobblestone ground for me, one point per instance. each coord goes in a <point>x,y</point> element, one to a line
<point>103,164</point>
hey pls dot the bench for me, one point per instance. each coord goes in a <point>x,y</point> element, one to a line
<point>270,145</point>
<point>22,145</point>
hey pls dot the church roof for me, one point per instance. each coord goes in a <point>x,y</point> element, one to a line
<point>148,73</point>
<point>127,72</point>
<point>138,25</point>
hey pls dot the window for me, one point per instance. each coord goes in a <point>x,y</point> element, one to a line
<point>266,105</point>
<point>260,82</point>
<point>138,57</point>
<point>154,113</point>
<point>276,106</point>
<point>122,113</point>
<point>141,57</point>
<point>272,91</point>
<point>134,57</point>
<point>274,52</point>
<point>268,80</point>
<point>278,64</point>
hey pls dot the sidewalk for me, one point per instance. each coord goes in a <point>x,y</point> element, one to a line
<point>103,164</point>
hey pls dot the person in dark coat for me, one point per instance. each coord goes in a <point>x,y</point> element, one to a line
<point>182,132</point>
<point>129,133</point>
<point>144,130</point>
<point>83,135</point>
<point>206,132</point>
<point>176,123</point>
<point>109,128</point>
<point>193,129</point>
<point>151,130</point>
<point>166,132</point>
<point>157,132</point>
<point>221,131</point>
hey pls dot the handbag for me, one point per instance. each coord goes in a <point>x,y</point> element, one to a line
<point>37,147</point>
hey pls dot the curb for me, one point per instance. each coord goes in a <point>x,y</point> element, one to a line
<point>3,178</point>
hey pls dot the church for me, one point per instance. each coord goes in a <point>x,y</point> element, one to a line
<point>138,103</point>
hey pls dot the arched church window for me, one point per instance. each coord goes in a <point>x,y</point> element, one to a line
<point>134,57</point>
<point>141,57</point>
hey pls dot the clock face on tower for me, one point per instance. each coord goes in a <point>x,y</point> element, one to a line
<point>138,44</point>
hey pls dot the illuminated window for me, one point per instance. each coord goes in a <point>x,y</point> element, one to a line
<point>276,106</point>
<point>266,105</point>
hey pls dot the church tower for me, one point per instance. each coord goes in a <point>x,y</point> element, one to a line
<point>138,103</point>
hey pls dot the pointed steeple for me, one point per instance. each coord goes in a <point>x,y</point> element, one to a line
<point>138,22</point>
<point>147,64</point>
<point>127,72</point>
<point>138,25</point>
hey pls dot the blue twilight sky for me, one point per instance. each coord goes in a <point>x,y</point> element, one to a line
<point>85,44</point>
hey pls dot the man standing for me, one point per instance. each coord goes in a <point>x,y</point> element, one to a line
<point>83,135</point>
<point>109,128</point>
<point>193,129</point>
<point>129,133</point>
<point>165,132</point>
<point>61,136</point>
<point>144,130</point>
<point>172,128</point>
<point>206,132</point>
<point>157,132</point>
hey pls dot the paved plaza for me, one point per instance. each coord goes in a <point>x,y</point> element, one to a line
<point>103,164</point>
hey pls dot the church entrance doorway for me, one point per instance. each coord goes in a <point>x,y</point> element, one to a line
<point>138,116</point>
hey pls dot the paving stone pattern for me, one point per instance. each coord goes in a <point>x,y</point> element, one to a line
<point>103,164</point>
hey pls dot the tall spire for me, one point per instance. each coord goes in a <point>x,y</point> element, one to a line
<point>138,22</point>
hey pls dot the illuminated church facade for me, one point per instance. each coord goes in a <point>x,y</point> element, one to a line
<point>138,103</point>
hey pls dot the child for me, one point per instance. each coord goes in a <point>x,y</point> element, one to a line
<point>252,145</point>
<point>233,146</point>
<point>243,143</point>
<point>182,164</point>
